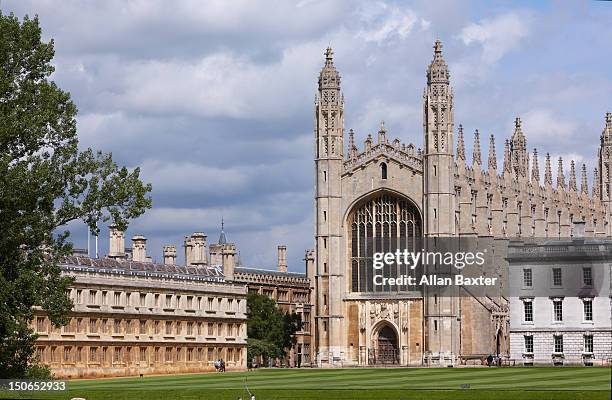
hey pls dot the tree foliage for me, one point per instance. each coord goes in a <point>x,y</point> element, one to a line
<point>270,331</point>
<point>46,181</point>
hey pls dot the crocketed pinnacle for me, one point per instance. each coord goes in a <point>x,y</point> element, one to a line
<point>560,174</point>
<point>584,186</point>
<point>460,144</point>
<point>476,158</point>
<point>535,167</point>
<point>547,170</point>
<point>492,156</point>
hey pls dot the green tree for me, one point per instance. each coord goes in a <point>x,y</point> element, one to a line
<point>270,331</point>
<point>45,183</point>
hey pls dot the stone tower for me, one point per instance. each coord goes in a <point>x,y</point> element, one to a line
<point>329,131</point>
<point>440,306</point>
<point>438,183</point>
<point>605,175</point>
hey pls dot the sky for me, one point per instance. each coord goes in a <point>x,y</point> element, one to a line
<point>214,100</point>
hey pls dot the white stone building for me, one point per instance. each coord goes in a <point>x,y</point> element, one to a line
<point>560,304</point>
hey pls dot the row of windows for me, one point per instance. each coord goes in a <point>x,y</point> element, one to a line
<point>129,354</point>
<point>557,277</point>
<point>587,310</point>
<point>129,326</point>
<point>117,298</point>
<point>558,343</point>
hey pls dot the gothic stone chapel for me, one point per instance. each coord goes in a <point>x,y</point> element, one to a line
<point>392,190</point>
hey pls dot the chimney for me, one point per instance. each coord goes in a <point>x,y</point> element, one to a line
<point>198,255</point>
<point>578,231</point>
<point>228,257</point>
<point>170,254</point>
<point>117,243</point>
<point>188,245</point>
<point>282,258</point>
<point>139,248</point>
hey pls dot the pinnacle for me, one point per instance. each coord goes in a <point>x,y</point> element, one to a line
<point>438,47</point>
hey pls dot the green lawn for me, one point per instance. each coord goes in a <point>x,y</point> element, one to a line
<point>398,383</point>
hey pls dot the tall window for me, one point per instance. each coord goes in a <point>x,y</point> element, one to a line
<point>587,276</point>
<point>383,223</point>
<point>558,310</point>
<point>143,354</point>
<point>558,344</point>
<point>383,170</point>
<point>587,305</point>
<point>528,308</point>
<point>93,354</point>
<point>557,281</point>
<point>528,344</point>
<point>588,343</point>
<point>143,326</point>
<point>527,277</point>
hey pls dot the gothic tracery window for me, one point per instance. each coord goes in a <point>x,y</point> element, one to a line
<point>383,223</point>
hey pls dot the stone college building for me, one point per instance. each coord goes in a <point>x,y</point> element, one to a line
<point>393,191</point>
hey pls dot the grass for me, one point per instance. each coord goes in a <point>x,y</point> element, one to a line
<point>398,383</point>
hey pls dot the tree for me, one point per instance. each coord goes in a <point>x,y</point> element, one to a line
<point>270,331</point>
<point>45,183</point>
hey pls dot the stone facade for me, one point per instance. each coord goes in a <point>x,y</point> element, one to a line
<point>290,290</point>
<point>562,319</point>
<point>399,191</point>
<point>132,317</point>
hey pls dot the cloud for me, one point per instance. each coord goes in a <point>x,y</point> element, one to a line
<point>544,125</point>
<point>498,35</point>
<point>383,22</point>
<point>214,100</point>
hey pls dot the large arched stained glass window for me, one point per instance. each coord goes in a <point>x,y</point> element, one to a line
<point>381,224</point>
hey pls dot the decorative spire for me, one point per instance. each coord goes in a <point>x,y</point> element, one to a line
<point>535,167</point>
<point>438,70</point>
<point>492,156</point>
<point>222,238</point>
<point>329,78</point>
<point>518,148</point>
<point>507,161</point>
<point>329,56</point>
<point>476,158</point>
<point>460,144</point>
<point>584,188</point>
<point>596,190</point>
<point>382,133</point>
<point>351,143</point>
<point>438,49</point>
<point>572,179</point>
<point>560,174</point>
<point>548,171</point>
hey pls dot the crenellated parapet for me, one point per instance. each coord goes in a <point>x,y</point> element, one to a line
<point>530,206</point>
<point>405,154</point>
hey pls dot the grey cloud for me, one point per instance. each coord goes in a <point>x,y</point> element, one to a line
<point>215,101</point>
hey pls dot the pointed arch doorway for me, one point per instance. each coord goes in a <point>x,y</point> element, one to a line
<point>385,347</point>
